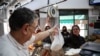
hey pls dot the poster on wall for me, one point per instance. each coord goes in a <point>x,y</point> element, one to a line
<point>92,19</point>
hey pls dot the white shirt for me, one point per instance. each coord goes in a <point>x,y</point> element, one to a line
<point>10,47</point>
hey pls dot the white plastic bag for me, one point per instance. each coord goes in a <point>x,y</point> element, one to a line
<point>58,42</point>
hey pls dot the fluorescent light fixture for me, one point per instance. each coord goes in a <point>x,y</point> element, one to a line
<point>38,4</point>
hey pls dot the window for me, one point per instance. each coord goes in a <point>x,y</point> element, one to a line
<point>78,17</point>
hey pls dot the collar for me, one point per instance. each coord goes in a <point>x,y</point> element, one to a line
<point>15,43</point>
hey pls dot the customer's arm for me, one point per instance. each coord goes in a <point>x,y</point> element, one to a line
<point>44,34</point>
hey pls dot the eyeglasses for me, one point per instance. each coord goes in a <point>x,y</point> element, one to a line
<point>34,27</point>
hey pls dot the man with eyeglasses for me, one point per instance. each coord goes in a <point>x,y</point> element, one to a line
<point>23,23</point>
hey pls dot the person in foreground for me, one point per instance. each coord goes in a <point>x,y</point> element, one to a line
<point>23,23</point>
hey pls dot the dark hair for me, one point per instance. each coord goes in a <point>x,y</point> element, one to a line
<point>46,28</point>
<point>64,29</point>
<point>73,27</point>
<point>21,16</point>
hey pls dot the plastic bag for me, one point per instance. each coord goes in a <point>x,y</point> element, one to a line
<point>57,43</point>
